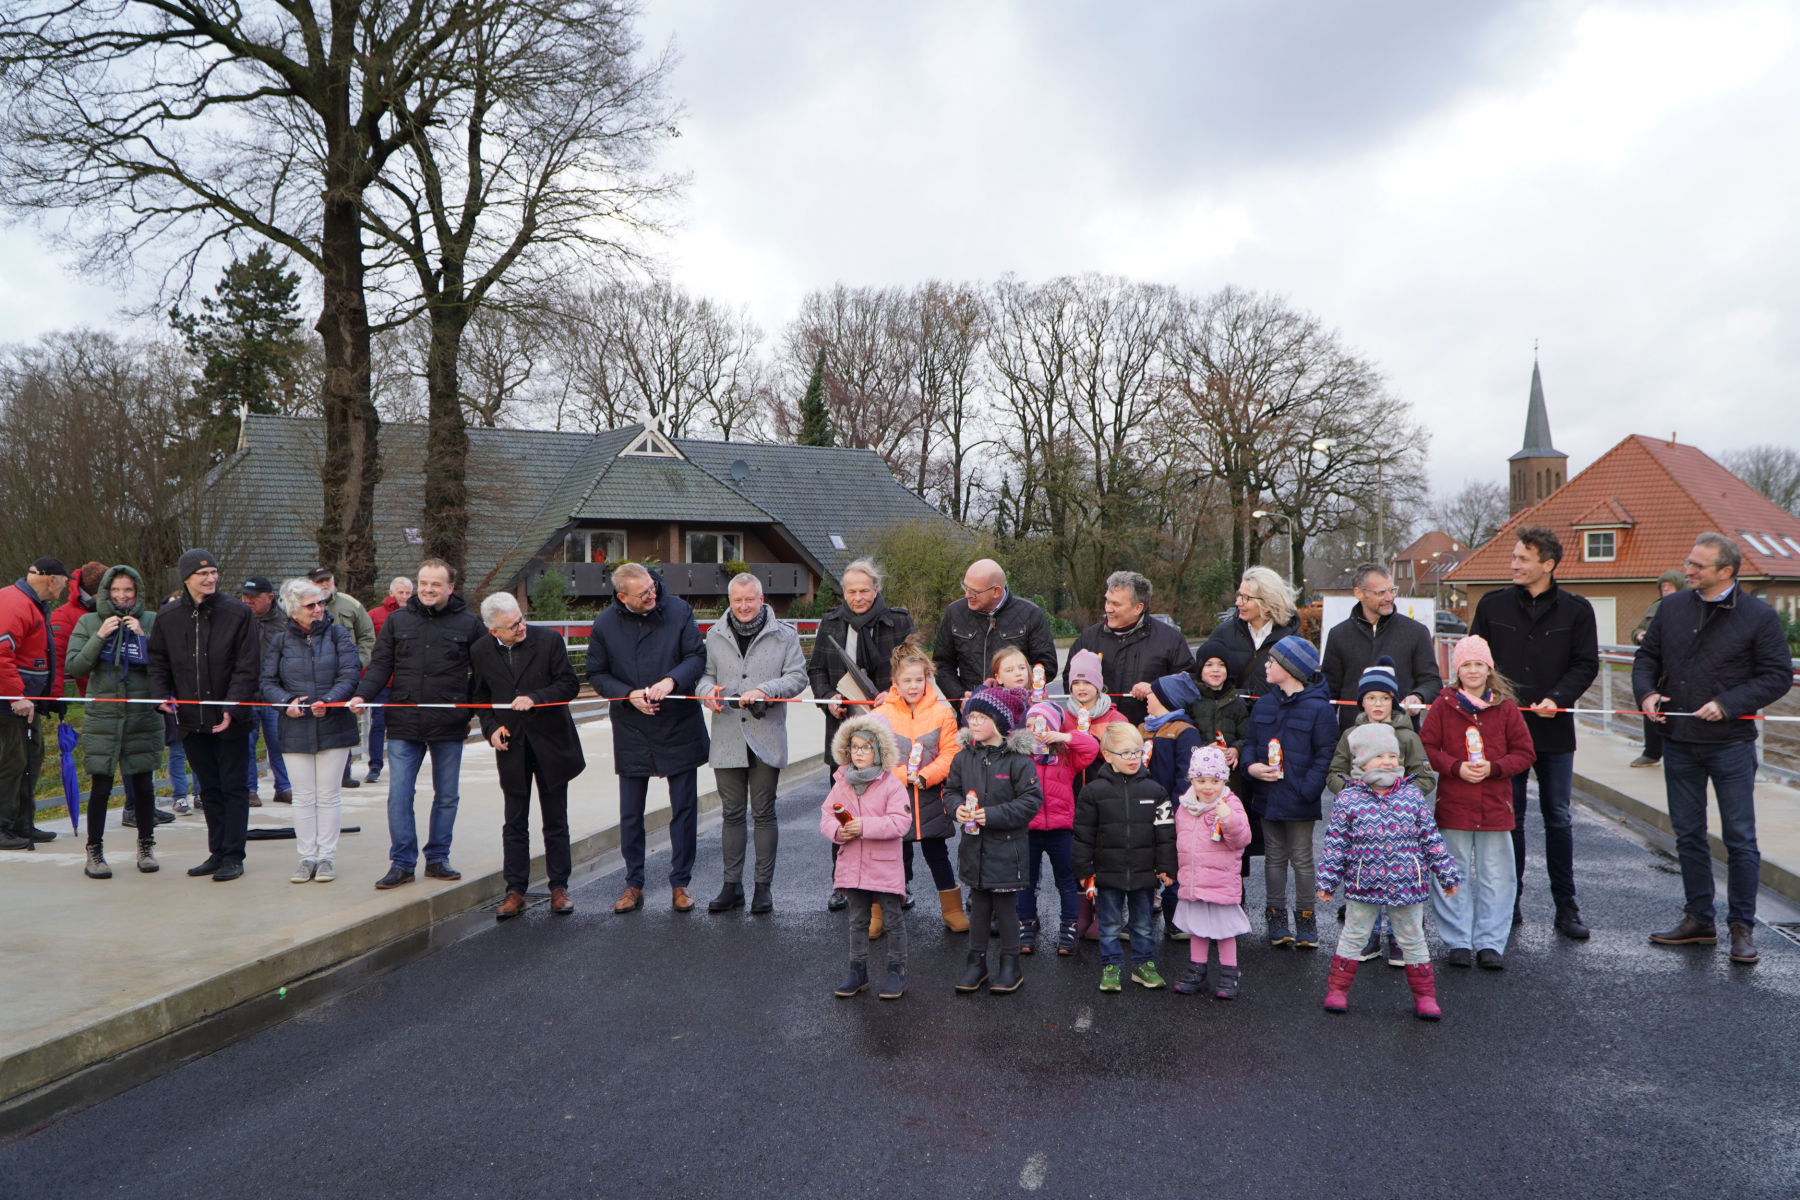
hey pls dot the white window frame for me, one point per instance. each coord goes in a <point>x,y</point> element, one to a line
<point>585,539</point>
<point>1587,545</point>
<point>725,539</point>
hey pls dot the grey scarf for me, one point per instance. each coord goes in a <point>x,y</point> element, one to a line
<point>748,629</point>
<point>859,778</point>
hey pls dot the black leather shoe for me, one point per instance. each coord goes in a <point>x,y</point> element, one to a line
<point>46,835</point>
<point>229,870</point>
<point>1568,922</point>
<point>730,896</point>
<point>11,841</point>
<point>441,870</point>
<point>1459,957</point>
<point>838,902</point>
<point>762,899</point>
<point>1009,978</point>
<point>1490,960</point>
<point>1689,931</point>
<point>393,879</point>
<point>212,863</point>
<point>974,976</point>
<point>1743,946</point>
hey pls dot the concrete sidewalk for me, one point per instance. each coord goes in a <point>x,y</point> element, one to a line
<point>1603,770</point>
<point>95,969</point>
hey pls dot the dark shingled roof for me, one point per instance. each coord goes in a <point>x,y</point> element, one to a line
<point>527,484</point>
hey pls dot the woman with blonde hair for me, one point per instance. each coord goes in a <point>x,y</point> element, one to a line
<point>1265,614</point>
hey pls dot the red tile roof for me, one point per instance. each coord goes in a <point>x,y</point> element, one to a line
<point>1666,493</point>
<point>1429,544</point>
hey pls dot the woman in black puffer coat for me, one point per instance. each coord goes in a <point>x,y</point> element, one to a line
<point>311,664</point>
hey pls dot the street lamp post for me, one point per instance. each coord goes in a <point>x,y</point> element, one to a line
<point>1261,513</point>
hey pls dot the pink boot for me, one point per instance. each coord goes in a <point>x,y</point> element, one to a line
<point>1424,990</point>
<point>1337,983</point>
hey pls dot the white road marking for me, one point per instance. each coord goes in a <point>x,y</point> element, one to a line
<point>1032,1177</point>
<point>1084,1020</point>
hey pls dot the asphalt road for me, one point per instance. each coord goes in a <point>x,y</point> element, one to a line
<point>663,1055</point>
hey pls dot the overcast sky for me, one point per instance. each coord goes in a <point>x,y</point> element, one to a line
<point>1442,182</point>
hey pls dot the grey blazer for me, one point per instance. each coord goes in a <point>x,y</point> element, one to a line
<point>775,664</point>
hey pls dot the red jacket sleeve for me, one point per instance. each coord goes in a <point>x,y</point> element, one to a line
<point>1520,753</point>
<point>12,638</point>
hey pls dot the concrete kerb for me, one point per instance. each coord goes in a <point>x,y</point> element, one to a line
<point>65,1074</point>
<point>1775,877</point>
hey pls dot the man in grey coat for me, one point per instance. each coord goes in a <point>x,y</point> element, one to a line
<point>751,658</point>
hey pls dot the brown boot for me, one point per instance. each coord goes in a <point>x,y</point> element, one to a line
<point>950,900</point>
<point>682,901</point>
<point>560,904</point>
<point>875,926</point>
<point>630,900</point>
<point>512,906</point>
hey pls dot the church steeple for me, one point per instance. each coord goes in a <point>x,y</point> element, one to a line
<point>1537,469</point>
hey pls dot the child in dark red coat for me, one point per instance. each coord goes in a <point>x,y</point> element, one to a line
<point>1477,741</point>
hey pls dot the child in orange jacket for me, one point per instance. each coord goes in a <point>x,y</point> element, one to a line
<point>924,725</point>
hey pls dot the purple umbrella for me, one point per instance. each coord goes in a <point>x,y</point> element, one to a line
<point>66,737</point>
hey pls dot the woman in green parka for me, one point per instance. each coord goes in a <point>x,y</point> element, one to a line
<point>111,646</point>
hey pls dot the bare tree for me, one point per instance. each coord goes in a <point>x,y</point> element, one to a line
<point>529,150</point>
<point>1772,470</point>
<point>870,370</point>
<point>164,124</point>
<point>1473,514</point>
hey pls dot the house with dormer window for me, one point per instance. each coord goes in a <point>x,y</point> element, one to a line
<point>579,503</point>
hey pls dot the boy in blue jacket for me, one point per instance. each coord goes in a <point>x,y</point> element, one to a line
<point>1288,745</point>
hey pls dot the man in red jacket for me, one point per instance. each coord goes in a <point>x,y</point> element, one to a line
<point>399,592</point>
<point>79,605</point>
<point>31,672</point>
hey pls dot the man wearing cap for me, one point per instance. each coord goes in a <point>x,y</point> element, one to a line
<point>347,610</point>
<point>258,593</point>
<point>205,647</point>
<point>30,671</point>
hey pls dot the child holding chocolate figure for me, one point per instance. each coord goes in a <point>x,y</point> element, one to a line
<point>1211,831</point>
<point>866,815</point>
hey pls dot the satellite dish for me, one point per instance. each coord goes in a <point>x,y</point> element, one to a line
<point>740,470</point>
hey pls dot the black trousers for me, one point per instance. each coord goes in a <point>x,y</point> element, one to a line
<point>140,789</point>
<point>1652,740</point>
<point>220,763</point>
<point>515,835</point>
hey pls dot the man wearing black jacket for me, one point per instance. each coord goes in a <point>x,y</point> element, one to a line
<point>974,629</point>
<point>1545,642</point>
<point>1719,655</point>
<point>1374,629</point>
<point>1134,647</point>
<point>422,657</point>
<point>205,646</point>
<point>524,668</point>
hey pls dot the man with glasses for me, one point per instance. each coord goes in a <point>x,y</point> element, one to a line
<point>527,669</point>
<point>1374,629</point>
<point>1711,656</point>
<point>207,647</point>
<point>974,629</point>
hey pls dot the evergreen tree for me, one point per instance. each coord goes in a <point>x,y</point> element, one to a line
<point>248,340</point>
<point>815,419</point>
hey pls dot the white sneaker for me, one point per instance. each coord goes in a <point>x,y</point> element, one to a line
<point>324,872</point>
<point>183,807</point>
<point>304,872</point>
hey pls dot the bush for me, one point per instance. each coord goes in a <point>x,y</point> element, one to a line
<point>924,562</point>
<point>735,567</point>
<point>1060,626</point>
<point>802,609</point>
<point>550,597</point>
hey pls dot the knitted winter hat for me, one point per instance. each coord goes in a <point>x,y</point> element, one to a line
<point>194,560</point>
<point>1297,656</point>
<point>1175,692</point>
<point>1212,648</point>
<point>1085,664</point>
<point>1005,707</point>
<point>1368,742</point>
<point>1471,649</point>
<point>89,576</point>
<point>1379,677</point>
<point>1052,714</point>
<point>1208,762</point>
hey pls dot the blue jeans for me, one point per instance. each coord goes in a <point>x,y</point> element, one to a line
<point>1479,916</point>
<point>684,826</point>
<point>178,779</point>
<point>1058,844</point>
<point>406,758</point>
<point>267,721</point>
<point>1556,779</point>
<point>1110,910</point>
<point>1732,768</point>
<point>377,731</point>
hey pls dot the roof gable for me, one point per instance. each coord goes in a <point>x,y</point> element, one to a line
<point>1605,515</point>
<point>1666,492</point>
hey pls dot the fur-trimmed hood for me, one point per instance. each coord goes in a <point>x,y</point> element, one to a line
<point>1019,741</point>
<point>884,740</point>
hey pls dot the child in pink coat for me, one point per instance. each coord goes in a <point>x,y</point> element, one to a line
<point>1086,709</point>
<point>1211,832</point>
<point>867,814</point>
<point>1064,760</point>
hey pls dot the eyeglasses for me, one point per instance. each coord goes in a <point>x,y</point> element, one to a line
<point>969,591</point>
<point>313,604</point>
<point>1127,754</point>
<point>1378,593</point>
<point>1699,566</point>
<point>1247,598</point>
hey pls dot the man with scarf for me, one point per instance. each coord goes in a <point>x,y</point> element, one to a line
<point>868,630</point>
<point>1134,647</point>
